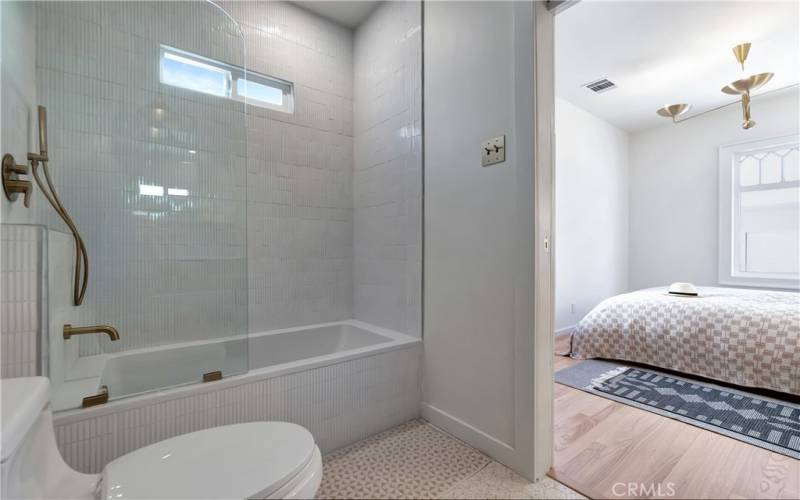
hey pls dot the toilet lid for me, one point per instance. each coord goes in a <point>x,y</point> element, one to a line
<point>233,461</point>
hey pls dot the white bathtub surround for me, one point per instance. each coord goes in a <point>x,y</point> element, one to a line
<point>299,169</point>
<point>24,299</point>
<point>387,178</point>
<point>164,269</point>
<point>157,263</point>
<point>189,270</point>
<point>340,397</point>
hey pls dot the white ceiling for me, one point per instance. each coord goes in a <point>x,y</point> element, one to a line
<point>667,52</point>
<point>347,14</point>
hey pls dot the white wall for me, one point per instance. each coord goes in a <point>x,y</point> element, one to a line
<point>478,376</point>
<point>674,189</point>
<point>387,177</point>
<point>591,236</point>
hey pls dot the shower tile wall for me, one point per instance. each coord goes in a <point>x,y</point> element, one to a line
<point>331,225</point>
<point>299,169</point>
<point>164,268</point>
<point>23,299</point>
<point>388,168</point>
<point>339,404</point>
<point>18,95</point>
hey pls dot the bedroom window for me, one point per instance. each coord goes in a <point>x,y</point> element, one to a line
<point>201,74</point>
<point>759,229</point>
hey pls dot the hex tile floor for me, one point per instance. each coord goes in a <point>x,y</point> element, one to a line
<point>417,460</point>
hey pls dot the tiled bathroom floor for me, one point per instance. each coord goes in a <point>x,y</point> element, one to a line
<point>417,460</point>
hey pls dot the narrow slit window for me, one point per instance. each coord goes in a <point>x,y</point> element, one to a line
<point>260,92</point>
<point>180,71</point>
<point>193,72</point>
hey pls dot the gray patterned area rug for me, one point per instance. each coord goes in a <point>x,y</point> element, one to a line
<point>760,421</point>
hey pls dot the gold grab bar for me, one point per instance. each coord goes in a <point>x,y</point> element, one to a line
<point>70,330</point>
<point>81,256</point>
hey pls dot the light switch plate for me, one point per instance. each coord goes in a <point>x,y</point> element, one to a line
<point>493,151</point>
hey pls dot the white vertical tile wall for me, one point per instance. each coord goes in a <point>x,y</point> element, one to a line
<point>166,268</point>
<point>339,403</point>
<point>388,168</point>
<point>18,95</point>
<point>24,299</point>
<point>300,168</point>
<point>157,263</point>
<point>60,249</point>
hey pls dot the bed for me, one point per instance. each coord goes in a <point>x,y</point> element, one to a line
<point>749,338</point>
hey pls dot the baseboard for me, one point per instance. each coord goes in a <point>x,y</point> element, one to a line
<point>473,436</point>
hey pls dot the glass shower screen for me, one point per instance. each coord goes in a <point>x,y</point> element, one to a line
<point>154,175</point>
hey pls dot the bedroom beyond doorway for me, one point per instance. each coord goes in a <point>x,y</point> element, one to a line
<point>677,250</point>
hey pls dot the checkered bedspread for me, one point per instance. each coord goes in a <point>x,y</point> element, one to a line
<point>746,337</point>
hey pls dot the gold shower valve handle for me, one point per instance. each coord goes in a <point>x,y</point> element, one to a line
<point>15,187</point>
<point>17,169</point>
<point>12,184</point>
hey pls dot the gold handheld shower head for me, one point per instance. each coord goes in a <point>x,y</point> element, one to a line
<point>42,112</point>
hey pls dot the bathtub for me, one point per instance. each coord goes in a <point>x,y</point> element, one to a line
<point>343,381</point>
<point>138,372</point>
<point>141,371</point>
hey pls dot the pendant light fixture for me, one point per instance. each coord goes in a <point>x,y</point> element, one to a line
<point>744,86</point>
<point>741,87</point>
<point>674,111</point>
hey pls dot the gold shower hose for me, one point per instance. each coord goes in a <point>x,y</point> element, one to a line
<point>81,256</point>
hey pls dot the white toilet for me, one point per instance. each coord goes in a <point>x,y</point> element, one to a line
<point>253,460</point>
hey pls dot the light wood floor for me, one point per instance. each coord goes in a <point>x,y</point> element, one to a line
<point>599,442</point>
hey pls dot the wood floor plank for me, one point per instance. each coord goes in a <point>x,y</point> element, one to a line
<point>605,449</point>
<point>652,459</point>
<point>599,443</point>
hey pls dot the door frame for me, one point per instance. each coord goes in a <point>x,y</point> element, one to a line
<point>544,230</point>
<point>543,234</point>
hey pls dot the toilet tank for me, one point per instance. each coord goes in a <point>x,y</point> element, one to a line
<point>32,466</point>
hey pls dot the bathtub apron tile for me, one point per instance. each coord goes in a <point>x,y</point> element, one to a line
<point>339,404</point>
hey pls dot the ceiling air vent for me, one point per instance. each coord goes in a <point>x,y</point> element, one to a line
<point>602,85</point>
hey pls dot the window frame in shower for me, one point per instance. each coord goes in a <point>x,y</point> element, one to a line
<point>232,76</point>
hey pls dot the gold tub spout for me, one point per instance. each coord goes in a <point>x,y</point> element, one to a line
<point>70,330</point>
